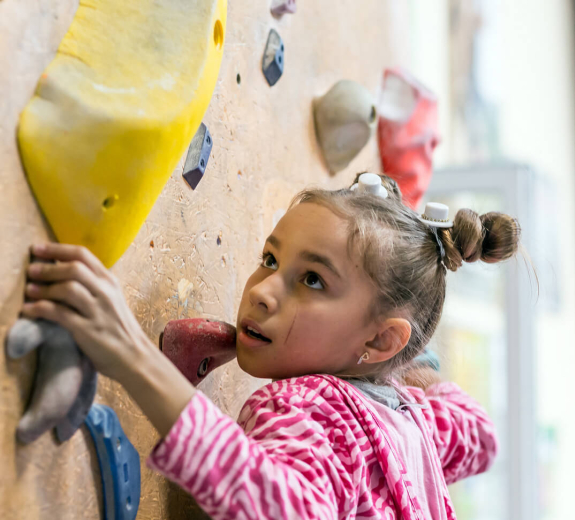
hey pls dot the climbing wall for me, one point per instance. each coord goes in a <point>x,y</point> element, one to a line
<point>197,248</point>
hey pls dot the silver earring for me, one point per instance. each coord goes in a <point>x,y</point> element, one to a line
<point>363,358</point>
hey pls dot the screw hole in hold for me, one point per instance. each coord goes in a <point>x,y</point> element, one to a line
<point>218,34</point>
<point>129,503</point>
<point>209,140</point>
<point>282,47</point>
<point>109,201</point>
<point>118,444</point>
<point>280,59</point>
<point>202,163</point>
<point>238,79</point>
<point>203,368</point>
<point>373,114</point>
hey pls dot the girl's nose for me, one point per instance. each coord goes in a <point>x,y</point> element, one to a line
<point>265,294</point>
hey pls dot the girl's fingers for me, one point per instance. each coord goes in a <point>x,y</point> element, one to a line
<point>71,293</point>
<point>52,311</point>
<point>66,271</point>
<point>70,253</point>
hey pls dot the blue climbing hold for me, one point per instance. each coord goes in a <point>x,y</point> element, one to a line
<point>119,464</point>
<point>273,60</point>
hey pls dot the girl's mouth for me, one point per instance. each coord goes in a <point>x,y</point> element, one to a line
<point>252,333</point>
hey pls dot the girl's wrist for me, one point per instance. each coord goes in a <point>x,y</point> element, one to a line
<point>158,387</point>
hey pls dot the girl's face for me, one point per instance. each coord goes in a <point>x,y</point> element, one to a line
<point>305,308</point>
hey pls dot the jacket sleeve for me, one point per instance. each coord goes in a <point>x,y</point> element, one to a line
<point>284,467</point>
<point>463,433</point>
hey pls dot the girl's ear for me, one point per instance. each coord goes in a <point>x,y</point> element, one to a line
<point>393,335</point>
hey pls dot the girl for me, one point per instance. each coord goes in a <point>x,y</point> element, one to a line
<point>349,290</point>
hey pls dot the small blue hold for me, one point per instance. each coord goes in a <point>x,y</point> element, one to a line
<point>273,60</point>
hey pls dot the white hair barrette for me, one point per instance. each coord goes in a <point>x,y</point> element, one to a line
<point>370,183</point>
<point>436,215</point>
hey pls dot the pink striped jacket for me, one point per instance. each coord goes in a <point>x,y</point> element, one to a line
<point>314,447</point>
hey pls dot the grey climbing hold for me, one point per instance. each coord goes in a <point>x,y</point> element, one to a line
<point>68,426</point>
<point>198,156</point>
<point>56,386</point>
<point>273,60</point>
<point>26,335</point>
<point>345,119</point>
<point>65,382</point>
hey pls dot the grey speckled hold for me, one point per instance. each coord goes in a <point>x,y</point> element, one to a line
<point>345,119</point>
<point>65,382</point>
<point>75,417</point>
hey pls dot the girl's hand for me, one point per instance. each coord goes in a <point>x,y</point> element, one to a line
<point>80,294</point>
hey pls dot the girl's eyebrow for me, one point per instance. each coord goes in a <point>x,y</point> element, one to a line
<point>274,241</point>
<point>320,259</point>
<point>310,256</point>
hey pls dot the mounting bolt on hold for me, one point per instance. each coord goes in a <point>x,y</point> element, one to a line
<point>198,156</point>
<point>273,61</point>
<point>203,368</point>
<point>281,7</point>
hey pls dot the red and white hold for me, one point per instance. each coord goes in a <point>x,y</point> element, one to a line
<point>407,133</point>
<point>281,7</point>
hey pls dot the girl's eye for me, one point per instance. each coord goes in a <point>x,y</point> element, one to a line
<point>269,261</point>
<point>313,281</point>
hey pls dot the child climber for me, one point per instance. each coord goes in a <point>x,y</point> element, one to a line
<point>350,289</point>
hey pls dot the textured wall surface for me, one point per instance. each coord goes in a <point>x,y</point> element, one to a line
<point>264,152</point>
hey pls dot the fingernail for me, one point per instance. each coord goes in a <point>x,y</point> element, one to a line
<point>34,269</point>
<point>27,307</point>
<point>32,288</point>
<point>39,248</point>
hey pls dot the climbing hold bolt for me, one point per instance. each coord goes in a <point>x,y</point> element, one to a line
<point>198,156</point>
<point>273,61</point>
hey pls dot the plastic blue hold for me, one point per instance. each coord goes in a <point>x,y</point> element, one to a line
<point>198,156</point>
<point>119,464</point>
<point>273,60</point>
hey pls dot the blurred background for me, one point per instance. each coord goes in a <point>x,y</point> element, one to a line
<point>503,73</point>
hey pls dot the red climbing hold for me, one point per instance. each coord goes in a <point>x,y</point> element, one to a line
<point>281,7</point>
<point>407,133</point>
<point>196,346</point>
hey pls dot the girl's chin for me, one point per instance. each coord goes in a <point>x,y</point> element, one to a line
<point>260,369</point>
<point>255,370</point>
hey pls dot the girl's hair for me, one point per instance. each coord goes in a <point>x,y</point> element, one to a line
<point>407,260</point>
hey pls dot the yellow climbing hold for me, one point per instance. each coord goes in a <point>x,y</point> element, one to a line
<point>114,112</point>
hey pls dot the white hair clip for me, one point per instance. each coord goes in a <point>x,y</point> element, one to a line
<point>370,183</point>
<point>436,215</point>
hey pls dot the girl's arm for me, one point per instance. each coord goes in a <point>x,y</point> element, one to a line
<point>286,467</point>
<point>159,389</point>
<point>463,433</point>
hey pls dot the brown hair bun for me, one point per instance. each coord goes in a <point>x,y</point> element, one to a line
<point>491,237</point>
